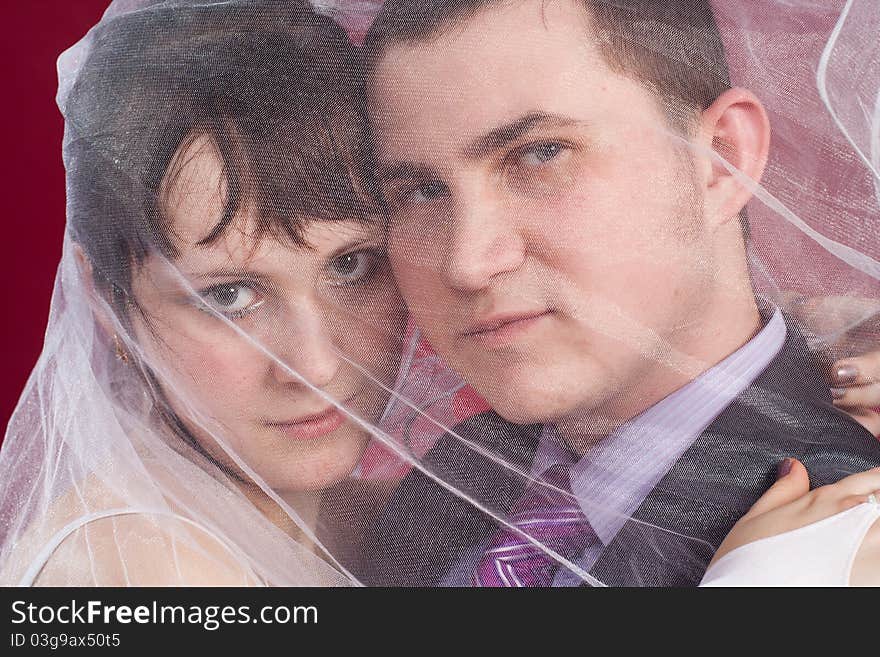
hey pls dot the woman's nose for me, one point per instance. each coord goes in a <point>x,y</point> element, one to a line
<point>305,350</point>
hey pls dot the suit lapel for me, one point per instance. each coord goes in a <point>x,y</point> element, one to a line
<point>673,534</point>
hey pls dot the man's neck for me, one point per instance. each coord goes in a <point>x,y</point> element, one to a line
<point>725,329</point>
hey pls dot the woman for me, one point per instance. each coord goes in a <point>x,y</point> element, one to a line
<point>224,319</point>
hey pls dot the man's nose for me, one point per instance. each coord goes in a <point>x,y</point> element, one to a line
<point>305,349</point>
<point>483,242</point>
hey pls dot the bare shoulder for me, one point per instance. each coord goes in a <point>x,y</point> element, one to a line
<point>144,549</point>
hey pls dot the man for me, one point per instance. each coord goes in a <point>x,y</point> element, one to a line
<point>569,240</point>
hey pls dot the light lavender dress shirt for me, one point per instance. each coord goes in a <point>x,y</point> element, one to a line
<point>612,480</point>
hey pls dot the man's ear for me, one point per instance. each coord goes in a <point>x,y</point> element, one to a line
<point>737,129</point>
<point>99,308</point>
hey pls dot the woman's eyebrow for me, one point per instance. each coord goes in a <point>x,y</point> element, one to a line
<point>229,272</point>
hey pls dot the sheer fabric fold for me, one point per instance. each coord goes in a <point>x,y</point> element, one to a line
<point>301,335</point>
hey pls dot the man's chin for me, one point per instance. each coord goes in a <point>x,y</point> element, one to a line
<point>537,395</point>
<point>531,407</point>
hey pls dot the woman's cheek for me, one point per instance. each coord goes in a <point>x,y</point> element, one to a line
<point>387,338</point>
<point>392,309</point>
<point>220,378</point>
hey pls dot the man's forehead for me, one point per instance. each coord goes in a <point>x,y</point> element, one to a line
<point>508,31</point>
<point>499,65</point>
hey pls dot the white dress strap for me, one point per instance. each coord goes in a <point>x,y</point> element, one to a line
<point>819,554</point>
<point>49,548</point>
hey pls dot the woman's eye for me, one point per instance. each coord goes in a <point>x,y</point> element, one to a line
<point>424,193</point>
<point>232,299</point>
<point>352,267</point>
<point>539,154</point>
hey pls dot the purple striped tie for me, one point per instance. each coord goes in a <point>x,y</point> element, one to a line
<point>552,518</point>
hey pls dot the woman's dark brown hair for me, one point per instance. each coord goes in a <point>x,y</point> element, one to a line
<point>274,85</point>
<point>276,88</point>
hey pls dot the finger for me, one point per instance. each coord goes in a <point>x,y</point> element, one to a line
<point>865,396</point>
<point>856,371</point>
<point>792,483</point>
<point>860,484</point>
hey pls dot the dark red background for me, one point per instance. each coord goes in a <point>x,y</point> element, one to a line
<point>35,32</point>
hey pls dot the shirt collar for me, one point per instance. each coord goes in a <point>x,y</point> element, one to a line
<point>614,478</point>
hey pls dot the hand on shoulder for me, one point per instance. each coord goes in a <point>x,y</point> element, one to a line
<point>790,504</point>
<point>848,326</point>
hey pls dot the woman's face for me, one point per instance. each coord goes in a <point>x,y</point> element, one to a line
<point>223,320</point>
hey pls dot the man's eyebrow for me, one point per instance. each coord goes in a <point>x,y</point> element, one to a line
<point>493,140</point>
<point>503,135</point>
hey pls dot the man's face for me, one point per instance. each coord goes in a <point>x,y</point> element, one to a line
<point>546,226</point>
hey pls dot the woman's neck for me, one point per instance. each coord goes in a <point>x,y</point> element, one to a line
<point>304,504</point>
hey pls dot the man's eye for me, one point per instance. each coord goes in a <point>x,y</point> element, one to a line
<point>231,299</point>
<point>539,154</point>
<point>353,267</point>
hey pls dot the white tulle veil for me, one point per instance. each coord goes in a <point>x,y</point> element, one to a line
<point>165,438</point>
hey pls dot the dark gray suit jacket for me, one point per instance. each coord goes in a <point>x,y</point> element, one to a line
<point>425,530</point>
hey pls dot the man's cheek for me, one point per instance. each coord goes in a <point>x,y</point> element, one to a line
<point>407,258</point>
<point>419,288</point>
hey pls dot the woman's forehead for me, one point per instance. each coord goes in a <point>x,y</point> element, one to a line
<point>243,246</point>
<point>195,200</point>
<point>194,191</point>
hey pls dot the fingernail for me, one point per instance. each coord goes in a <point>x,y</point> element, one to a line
<point>838,393</point>
<point>846,373</point>
<point>783,468</point>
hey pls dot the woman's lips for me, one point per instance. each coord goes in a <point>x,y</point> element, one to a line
<point>312,427</point>
<point>502,330</point>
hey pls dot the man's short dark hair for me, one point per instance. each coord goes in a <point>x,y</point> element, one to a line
<point>671,46</point>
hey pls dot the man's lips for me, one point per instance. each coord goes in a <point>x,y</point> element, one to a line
<point>499,329</point>
<point>495,322</point>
